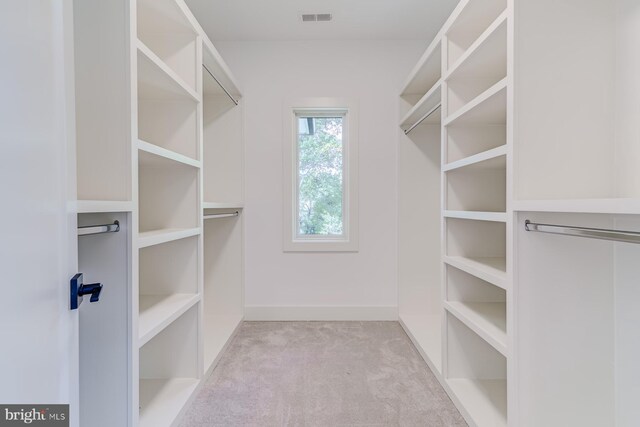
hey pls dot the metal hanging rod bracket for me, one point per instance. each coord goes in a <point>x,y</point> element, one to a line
<point>591,233</point>
<point>221,215</point>
<point>99,229</point>
<point>220,84</point>
<point>423,118</point>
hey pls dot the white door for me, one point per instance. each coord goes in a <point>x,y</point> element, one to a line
<point>38,332</point>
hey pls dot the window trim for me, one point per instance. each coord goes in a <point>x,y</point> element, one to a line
<point>349,241</point>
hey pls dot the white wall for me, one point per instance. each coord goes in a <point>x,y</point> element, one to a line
<point>269,73</point>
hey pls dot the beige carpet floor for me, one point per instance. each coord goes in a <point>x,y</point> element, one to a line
<point>321,374</point>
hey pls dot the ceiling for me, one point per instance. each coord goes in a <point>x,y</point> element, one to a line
<point>243,20</point>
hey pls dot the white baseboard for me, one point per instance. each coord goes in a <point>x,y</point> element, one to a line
<point>327,313</point>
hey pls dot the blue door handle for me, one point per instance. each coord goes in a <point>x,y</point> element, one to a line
<point>78,290</point>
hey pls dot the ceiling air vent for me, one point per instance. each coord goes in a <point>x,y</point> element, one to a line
<point>316,17</point>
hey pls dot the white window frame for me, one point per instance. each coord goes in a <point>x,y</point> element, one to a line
<point>292,241</point>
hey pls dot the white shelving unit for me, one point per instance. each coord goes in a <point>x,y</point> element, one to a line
<point>459,317</point>
<point>144,110</point>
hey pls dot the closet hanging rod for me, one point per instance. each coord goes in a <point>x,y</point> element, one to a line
<point>220,84</point>
<point>591,233</point>
<point>99,229</point>
<point>423,118</point>
<point>222,215</point>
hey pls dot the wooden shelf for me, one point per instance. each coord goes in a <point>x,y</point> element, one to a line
<point>488,108</point>
<point>163,400</point>
<point>221,331</point>
<point>156,80</point>
<point>487,56</point>
<point>155,156</point>
<point>223,205</point>
<point>484,401</point>
<point>489,269</point>
<point>426,333</point>
<point>159,311</point>
<point>478,216</point>
<point>101,206</point>
<point>487,319</point>
<point>619,206</point>
<point>495,158</point>
<point>429,101</point>
<point>426,72</point>
<point>157,237</point>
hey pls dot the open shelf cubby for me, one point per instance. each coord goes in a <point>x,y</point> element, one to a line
<point>479,305</point>
<point>168,285</point>
<point>477,375</point>
<point>223,282</point>
<point>473,19</point>
<point>168,194</point>
<point>169,371</point>
<point>477,247</point>
<point>103,327</point>
<point>479,190</point>
<point>165,28</point>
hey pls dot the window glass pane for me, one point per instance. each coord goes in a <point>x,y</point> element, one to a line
<point>320,176</point>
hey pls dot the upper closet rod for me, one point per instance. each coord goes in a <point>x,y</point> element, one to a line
<point>220,84</point>
<point>592,233</point>
<point>99,229</point>
<point>221,215</point>
<point>425,117</point>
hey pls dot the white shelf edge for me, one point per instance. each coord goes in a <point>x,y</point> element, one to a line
<point>434,361</point>
<point>621,206</point>
<point>434,94</point>
<point>156,150</point>
<point>497,339</point>
<point>477,102</point>
<point>100,206</point>
<point>222,205</point>
<point>476,398</point>
<point>478,269</point>
<point>158,237</point>
<point>231,83</point>
<point>476,158</point>
<point>477,215</point>
<point>480,41</point>
<point>171,398</point>
<point>182,307</point>
<point>155,59</point>
<point>426,56</point>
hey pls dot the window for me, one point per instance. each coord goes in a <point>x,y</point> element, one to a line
<point>321,174</point>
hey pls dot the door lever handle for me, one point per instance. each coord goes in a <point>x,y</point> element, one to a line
<point>78,290</point>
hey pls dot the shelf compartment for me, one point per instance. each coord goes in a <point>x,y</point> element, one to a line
<point>477,375</point>
<point>158,311</point>
<point>486,57</point>
<point>154,156</point>
<point>477,190</point>
<point>426,73</point>
<point>168,194</point>
<point>168,28</point>
<point>426,333</point>
<point>165,235</point>
<point>472,20</point>
<point>156,80</point>
<point>495,158</point>
<point>484,65</point>
<point>489,108</point>
<point>213,61</point>
<point>431,101</point>
<point>169,371</point>
<point>475,239</point>
<point>477,216</point>
<point>487,319</point>
<point>490,269</point>
<point>223,283</point>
